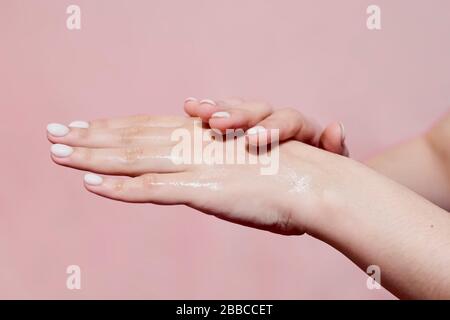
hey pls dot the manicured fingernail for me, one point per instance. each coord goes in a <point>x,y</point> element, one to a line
<point>57,130</point>
<point>256,130</point>
<point>341,125</point>
<point>93,179</point>
<point>190,99</point>
<point>220,114</point>
<point>79,124</point>
<point>61,150</point>
<point>208,101</point>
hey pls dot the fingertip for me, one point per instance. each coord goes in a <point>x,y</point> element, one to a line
<point>96,184</point>
<point>230,119</point>
<point>333,137</point>
<point>51,138</point>
<point>190,106</point>
<point>345,151</point>
<point>342,129</point>
<point>58,160</point>
<point>92,179</point>
<point>205,109</point>
<point>221,124</point>
<point>190,99</point>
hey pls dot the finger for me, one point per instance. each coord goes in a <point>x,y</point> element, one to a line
<point>242,116</point>
<point>190,106</point>
<point>109,138</point>
<point>333,139</point>
<point>204,108</point>
<point>132,161</point>
<point>131,121</point>
<point>229,113</point>
<point>168,189</point>
<point>290,123</point>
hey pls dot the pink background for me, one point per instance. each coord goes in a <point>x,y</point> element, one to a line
<point>146,57</point>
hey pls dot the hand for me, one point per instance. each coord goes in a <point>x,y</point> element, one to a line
<point>258,118</point>
<point>366,216</point>
<point>141,148</point>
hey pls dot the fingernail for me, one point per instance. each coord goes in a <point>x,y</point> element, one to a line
<point>208,101</point>
<point>341,125</point>
<point>61,150</point>
<point>220,114</point>
<point>57,130</point>
<point>256,130</point>
<point>93,179</point>
<point>79,124</point>
<point>190,99</point>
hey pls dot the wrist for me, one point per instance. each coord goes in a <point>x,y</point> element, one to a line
<point>343,201</point>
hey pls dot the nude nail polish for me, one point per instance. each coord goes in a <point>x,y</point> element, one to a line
<point>57,130</point>
<point>341,125</point>
<point>256,130</point>
<point>208,101</point>
<point>79,124</point>
<point>93,179</point>
<point>190,99</point>
<point>61,150</point>
<point>220,114</point>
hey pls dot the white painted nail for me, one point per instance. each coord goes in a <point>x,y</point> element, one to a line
<point>220,114</point>
<point>341,125</point>
<point>93,179</point>
<point>79,124</point>
<point>57,130</point>
<point>208,101</point>
<point>61,150</point>
<point>256,130</point>
<point>190,99</point>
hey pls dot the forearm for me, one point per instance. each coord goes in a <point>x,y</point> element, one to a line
<point>385,224</point>
<point>422,164</point>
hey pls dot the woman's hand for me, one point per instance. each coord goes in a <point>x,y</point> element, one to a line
<point>141,148</point>
<point>258,118</point>
<point>371,219</point>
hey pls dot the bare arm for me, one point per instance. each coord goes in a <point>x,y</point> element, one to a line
<point>382,223</point>
<point>370,218</point>
<point>422,164</point>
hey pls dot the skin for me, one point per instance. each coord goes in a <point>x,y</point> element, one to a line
<point>379,222</point>
<point>431,150</point>
<point>428,156</point>
<point>247,114</point>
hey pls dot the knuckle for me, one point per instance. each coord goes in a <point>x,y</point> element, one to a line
<point>118,186</point>
<point>128,134</point>
<point>82,134</point>
<point>85,154</point>
<point>132,154</point>
<point>148,181</point>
